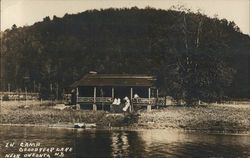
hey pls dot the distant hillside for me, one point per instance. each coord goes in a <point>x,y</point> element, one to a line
<point>192,55</point>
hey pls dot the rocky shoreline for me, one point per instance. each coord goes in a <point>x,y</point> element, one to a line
<point>221,118</point>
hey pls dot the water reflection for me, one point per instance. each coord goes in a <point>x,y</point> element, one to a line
<point>119,144</point>
<point>148,143</point>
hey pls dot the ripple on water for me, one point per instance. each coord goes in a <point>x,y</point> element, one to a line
<point>148,143</point>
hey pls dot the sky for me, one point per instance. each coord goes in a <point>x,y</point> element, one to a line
<point>27,12</point>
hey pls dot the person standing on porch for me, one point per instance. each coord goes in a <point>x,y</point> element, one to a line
<point>127,104</point>
<point>118,101</point>
<point>114,102</point>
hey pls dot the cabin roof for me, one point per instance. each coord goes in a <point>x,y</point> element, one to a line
<point>115,80</point>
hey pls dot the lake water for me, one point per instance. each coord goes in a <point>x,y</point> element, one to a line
<point>119,143</point>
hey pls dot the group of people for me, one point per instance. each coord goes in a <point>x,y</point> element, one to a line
<point>117,101</point>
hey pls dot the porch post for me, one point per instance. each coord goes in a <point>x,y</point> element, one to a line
<point>113,92</point>
<point>94,104</point>
<point>131,97</point>
<point>77,95</point>
<point>149,96</point>
<point>77,99</point>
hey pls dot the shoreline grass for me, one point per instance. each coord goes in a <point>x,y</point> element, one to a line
<point>214,117</point>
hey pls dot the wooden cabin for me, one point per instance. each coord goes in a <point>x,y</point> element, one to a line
<point>101,89</point>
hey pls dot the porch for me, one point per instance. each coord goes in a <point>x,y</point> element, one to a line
<point>135,102</point>
<point>99,89</point>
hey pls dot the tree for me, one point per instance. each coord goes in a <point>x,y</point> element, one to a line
<point>193,56</point>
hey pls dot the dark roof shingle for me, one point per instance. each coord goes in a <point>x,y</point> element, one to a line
<point>115,80</point>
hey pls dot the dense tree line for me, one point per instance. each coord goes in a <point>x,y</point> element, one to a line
<point>192,55</point>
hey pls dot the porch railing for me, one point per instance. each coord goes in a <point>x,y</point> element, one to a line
<point>144,101</point>
<point>149,101</point>
<point>161,101</point>
<point>92,100</point>
<point>136,101</point>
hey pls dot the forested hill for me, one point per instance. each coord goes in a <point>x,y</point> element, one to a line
<point>192,55</point>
